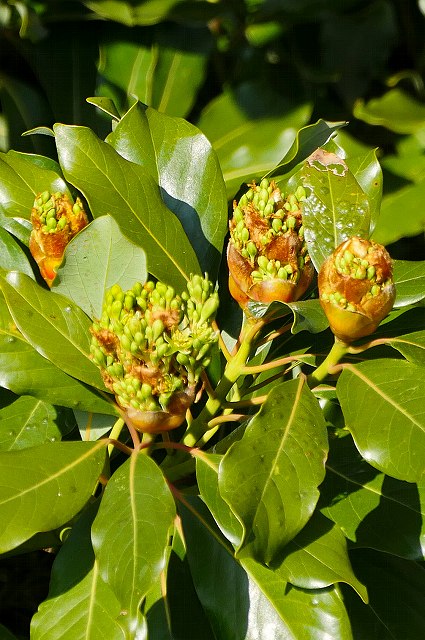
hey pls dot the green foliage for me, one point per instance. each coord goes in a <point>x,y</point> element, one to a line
<point>288,500</point>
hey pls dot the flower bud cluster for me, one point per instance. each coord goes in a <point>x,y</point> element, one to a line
<point>55,221</point>
<point>356,288</point>
<point>152,346</point>
<point>267,254</point>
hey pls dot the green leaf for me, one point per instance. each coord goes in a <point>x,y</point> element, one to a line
<point>395,110</point>
<point>53,325</point>
<point>307,140</point>
<point>21,180</point>
<point>335,208</point>
<point>5,634</point>
<point>97,258</point>
<point>106,105</point>
<point>382,402</point>
<point>207,467</point>
<point>163,67</point>
<point>368,172</point>
<point>12,256</point>
<point>252,601</point>
<point>80,606</point>
<point>43,487</point>
<point>372,509</point>
<point>308,314</point>
<point>130,13</point>
<point>24,371</point>
<point>317,557</point>
<point>260,476</point>
<point>248,131</point>
<point>28,422</point>
<point>412,346</point>
<point>409,278</point>
<point>126,191</point>
<point>401,214</point>
<point>93,426</point>
<point>131,531</point>
<point>396,591</point>
<point>181,160</point>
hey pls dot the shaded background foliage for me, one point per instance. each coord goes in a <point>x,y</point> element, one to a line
<point>249,75</point>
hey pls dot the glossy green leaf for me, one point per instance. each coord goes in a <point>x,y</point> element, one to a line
<point>401,214</point>
<point>24,371</point>
<point>307,140</point>
<point>163,68</point>
<point>409,278</point>
<point>367,171</point>
<point>131,531</point>
<point>97,258</point>
<point>372,509</point>
<point>12,256</point>
<point>106,105</point>
<point>317,557</point>
<point>93,426</point>
<point>249,132</point>
<point>207,467</point>
<point>172,151</point>
<point>260,476</point>
<point>396,590</point>
<point>53,325</point>
<point>395,110</point>
<point>308,315</point>
<point>20,228</point>
<point>80,606</point>
<point>27,422</point>
<point>126,191</point>
<point>252,602</point>
<point>132,13</point>
<point>336,207</point>
<point>383,406</point>
<point>21,180</point>
<point>412,346</point>
<point>43,487</point>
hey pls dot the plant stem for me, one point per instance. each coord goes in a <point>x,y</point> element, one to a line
<point>338,351</point>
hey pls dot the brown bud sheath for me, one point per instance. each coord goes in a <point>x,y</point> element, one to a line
<point>356,288</point>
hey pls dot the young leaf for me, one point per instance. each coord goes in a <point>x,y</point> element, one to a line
<point>131,531</point>
<point>97,258</point>
<point>372,509</point>
<point>126,191</point>
<point>172,151</point>
<point>79,604</point>
<point>53,325</point>
<point>270,477</point>
<point>43,487</point>
<point>382,402</point>
<point>335,208</point>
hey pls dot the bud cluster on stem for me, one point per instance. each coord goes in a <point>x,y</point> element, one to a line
<point>356,288</point>
<point>55,221</point>
<point>267,254</point>
<point>152,346</point>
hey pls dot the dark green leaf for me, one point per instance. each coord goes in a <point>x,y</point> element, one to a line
<point>396,591</point>
<point>308,314</point>
<point>126,191</point>
<point>335,208</point>
<point>43,487</point>
<point>409,278</point>
<point>252,602</point>
<point>80,605</point>
<point>28,422</point>
<point>412,346</point>
<point>372,509</point>
<point>382,402</point>
<point>173,151</point>
<point>317,557</point>
<point>53,325</point>
<point>260,476</point>
<point>131,531</point>
<point>401,214</point>
<point>97,258</point>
